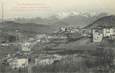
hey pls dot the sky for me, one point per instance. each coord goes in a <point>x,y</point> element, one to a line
<point>45,8</point>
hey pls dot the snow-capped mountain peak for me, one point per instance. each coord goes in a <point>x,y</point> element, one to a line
<point>62,15</point>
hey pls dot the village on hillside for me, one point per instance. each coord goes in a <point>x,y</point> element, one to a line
<point>57,36</point>
<point>27,58</point>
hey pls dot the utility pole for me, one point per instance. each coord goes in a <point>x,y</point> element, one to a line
<point>2,12</point>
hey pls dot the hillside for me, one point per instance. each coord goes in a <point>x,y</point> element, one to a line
<point>106,21</point>
<point>25,27</point>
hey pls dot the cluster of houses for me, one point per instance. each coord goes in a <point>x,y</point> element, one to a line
<point>21,59</point>
<point>69,29</point>
<point>18,62</point>
<point>97,34</point>
<point>15,62</point>
<point>47,59</point>
<point>100,33</point>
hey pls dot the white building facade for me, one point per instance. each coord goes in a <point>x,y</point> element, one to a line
<point>99,34</point>
<point>18,63</point>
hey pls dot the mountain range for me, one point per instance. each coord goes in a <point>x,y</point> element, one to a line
<point>52,24</point>
<point>64,19</point>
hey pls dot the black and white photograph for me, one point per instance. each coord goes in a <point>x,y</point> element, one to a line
<point>57,36</point>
